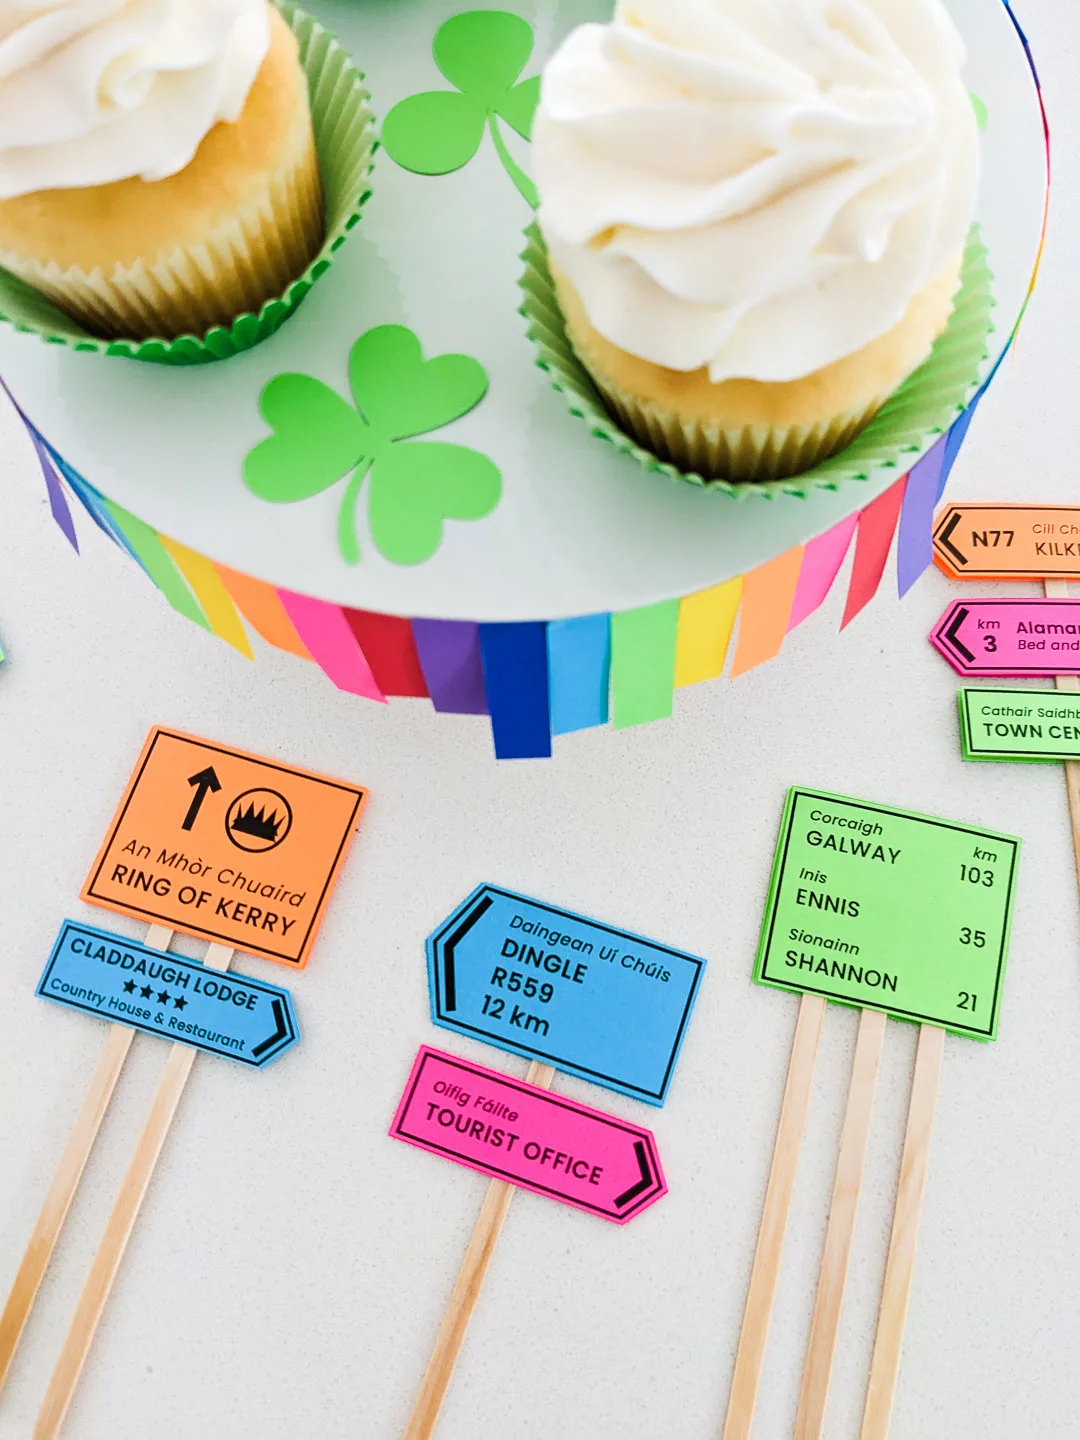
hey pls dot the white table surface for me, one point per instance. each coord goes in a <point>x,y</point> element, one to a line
<point>291,1264</point>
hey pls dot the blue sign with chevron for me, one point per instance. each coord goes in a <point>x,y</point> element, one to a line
<point>542,982</point>
<point>120,980</point>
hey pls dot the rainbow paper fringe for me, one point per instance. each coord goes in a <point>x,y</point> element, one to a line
<point>538,679</point>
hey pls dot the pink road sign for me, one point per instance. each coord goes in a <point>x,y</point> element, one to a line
<point>526,1135</point>
<point>1010,637</point>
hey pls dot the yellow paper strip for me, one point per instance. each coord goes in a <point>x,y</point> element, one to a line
<point>211,594</point>
<point>706,621</point>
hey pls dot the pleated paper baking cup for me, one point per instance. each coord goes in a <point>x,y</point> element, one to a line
<point>345,142</point>
<point>922,407</point>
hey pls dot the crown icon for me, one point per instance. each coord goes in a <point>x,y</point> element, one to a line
<point>258,824</point>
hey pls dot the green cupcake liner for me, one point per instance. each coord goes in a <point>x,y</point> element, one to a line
<point>345,139</point>
<point>923,407</point>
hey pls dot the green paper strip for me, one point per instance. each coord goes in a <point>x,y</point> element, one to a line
<point>924,406</point>
<point>345,138</point>
<point>1031,725</point>
<point>643,663</point>
<point>889,910</point>
<point>158,563</point>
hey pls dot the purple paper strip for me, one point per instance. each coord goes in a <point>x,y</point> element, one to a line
<point>450,658</point>
<point>61,511</point>
<point>914,547</point>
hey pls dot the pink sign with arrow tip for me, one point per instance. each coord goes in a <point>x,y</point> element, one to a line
<point>1010,637</point>
<point>536,1140</point>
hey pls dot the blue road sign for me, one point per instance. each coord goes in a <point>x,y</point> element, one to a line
<point>120,980</point>
<point>545,983</point>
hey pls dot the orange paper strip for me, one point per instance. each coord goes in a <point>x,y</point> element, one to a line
<point>263,610</point>
<point>768,595</point>
<point>211,594</point>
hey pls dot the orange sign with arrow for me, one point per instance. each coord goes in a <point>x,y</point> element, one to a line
<point>1008,542</point>
<point>226,846</point>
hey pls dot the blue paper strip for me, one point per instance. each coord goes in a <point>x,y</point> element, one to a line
<point>515,673</point>
<point>956,438</point>
<point>122,981</point>
<point>545,983</point>
<point>579,672</point>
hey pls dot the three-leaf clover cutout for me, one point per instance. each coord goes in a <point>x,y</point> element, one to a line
<point>319,439</point>
<point>483,53</point>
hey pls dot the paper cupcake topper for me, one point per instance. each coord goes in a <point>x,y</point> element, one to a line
<point>902,916</point>
<point>1010,637</point>
<point>553,986</point>
<point>1029,725</point>
<point>1008,542</point>
<point>222,845</point>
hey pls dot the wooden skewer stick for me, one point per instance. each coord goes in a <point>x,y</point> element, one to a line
<point>1059,590</point>
<point>118,1231</point>
<point>825,1327</point>
<point>900,1267</point>
<point>774,1218</point>
<point>65,1181</point>
<point>466,1292</point>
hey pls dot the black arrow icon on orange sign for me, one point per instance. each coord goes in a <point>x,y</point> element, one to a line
<point>945,539</point>
<point>206,780</point>
<point>639,1186</point>
<point>282,1032</point>
<point>952,635</point>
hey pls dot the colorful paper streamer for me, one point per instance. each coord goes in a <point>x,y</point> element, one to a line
<point>914,547</point>
<point>877,526</point>
<point>61,511</point>
<point>643,663</point>
<point>388,644</point>
<point>706,622</point>
<point>516,679</point>
<point>579,672</point>
<point>768,595</point>
<point>449,652</point>
<point>326,633</point>
<point>822,559</point>
<point>212,595</point>
<point>144,543</point>
<point>260,604</point>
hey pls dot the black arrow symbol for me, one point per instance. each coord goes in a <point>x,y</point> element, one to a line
<point>952,636</point>
<point>945,539</point>
<point>639,1186</point>
<point>282,1032</point>
<point>449,981</point>
<point>205,780</point>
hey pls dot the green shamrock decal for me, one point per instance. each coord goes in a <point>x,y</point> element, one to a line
<point>319,438</point>
<point>483,53</point>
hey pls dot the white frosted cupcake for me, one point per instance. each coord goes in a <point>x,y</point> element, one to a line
<point>755,214</point>
<point>158,171</point>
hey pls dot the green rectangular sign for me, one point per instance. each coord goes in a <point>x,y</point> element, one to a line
<point>1020,724</point>
<point>889,910</point>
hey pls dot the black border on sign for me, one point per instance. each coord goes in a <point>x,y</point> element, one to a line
<point>560,1063</point>
<point>1025,572</point>
<point>976,672</point>
<point>201,933</point>
<point>398,1132</point>
<point>271,992</point>
<point>797,793</point>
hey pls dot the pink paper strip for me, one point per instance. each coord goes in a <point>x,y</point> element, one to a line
<point>523,1134</point>
<point>325,631</point>
<point>821,565</point>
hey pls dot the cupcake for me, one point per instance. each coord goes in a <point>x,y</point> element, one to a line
<point>158,173</point>
<point>755,216</point>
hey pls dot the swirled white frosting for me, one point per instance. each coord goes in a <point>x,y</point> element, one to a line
<point>93,91</point>
<point>756,186</point>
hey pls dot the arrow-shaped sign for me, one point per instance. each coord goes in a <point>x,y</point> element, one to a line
<point>530,1137</point>
<point>1011,637</point>
<point>545,983</point>
<point>205,782</point>
<point>1008,542</point>
<point>164,994</point>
